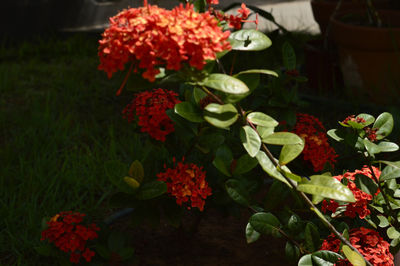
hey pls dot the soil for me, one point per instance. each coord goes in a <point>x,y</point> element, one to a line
<point>219,240</point>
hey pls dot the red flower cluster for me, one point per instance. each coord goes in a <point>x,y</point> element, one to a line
<point>362,198</point>
<point>317,149</point>
<point>353,119</point>
<point>151,37</point>
<point>368,242</point>
<point>69,235</point>
<point>232,20</point>
<point>371,133</point>
<point>186,182</point>
<point>213,2</point>
<point>150,107</point>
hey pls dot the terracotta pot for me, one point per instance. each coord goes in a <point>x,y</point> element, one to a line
<point>369,56</point>
<point>323,9</point>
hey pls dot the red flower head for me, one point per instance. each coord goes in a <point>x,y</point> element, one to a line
<point>186,182</point>
<point>317,149</point>
<point>362,198</point>
<point>368,242</point>
<point>150,107</point>
<point>151,37</point>
<point>235,21</point>
<point>68,234</point>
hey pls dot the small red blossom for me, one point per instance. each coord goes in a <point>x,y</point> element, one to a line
<point>317,149</point>
<point>353,119</point>
<point>69,235</point>
<point>149,107</point>
<point>213,2</point>
<point>150,37</point>
<point>232,20</point>
<point>368,242</point>
<point>371,133</point>
<point>362,198</point>
<point>186,182</point>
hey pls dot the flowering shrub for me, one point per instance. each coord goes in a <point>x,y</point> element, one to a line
<point>317,149</point>
<point>362,198</point>
<point>186,182</point>
<point>150,37</point>
<point>149,107</point>
<point>66,231</point>
<point>370,244</point>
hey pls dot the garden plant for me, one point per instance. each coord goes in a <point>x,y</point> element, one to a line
<point>213,136</point>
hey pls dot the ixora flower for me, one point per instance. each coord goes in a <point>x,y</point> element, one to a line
<point>186,182</point>
<point>150,37</point>
<point>68,234</point>
<point>362,198</point>
<point>368,242</point>
<point>317,149</point>
<point>150,107</point>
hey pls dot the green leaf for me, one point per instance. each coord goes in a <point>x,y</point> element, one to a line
<point>325,257</point>
<point>311,237</point>
<point>265,131</point>
<point>269,168</point>
<point>335,134</point>
<point>276,195</point>
<point>237,192</point>
<point>198,94</point>
<point>372,148</point>
<point>386,146</point>
<point>327,187</point>
<point>199,6</point>
<point>251,234</point>
<point>352,256</point>
<point>290,175</point>
<point>189,111</point>
<point>292,252</point>
<point>383,221</point>
<point>283,138</point>
<point>136,171</point>
<point>392,233</point>
<point>366,184</point>
<point>306,260</point>
<point>265,223</point>
<point>249,40</point>
<point>262,119</point>
<point>151,190</point>
<point>225,83</point>
<point>116,170</point>
<point>223,159</point>
<point>295,224</point>
<point>290,152</point>
<point>251,140</point>
<point>389,172</point>
<point>384,124</point>
<point>133,183</point>
<point>258,71</point>
<point>289,56</point>
<point>369,119</point>
<point>221,116</point>
<point>244,164</point>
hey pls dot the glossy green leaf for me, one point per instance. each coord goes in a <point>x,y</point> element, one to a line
<point>249,40</point>
<point>327,187</point>
<point>221,116</point>
<point>251,140</point>
<point>198,94</point>
<point>383,221</point>
<point>353,256</point>
<point>265,131</point>
<point>264,223</point>
<point>295,224</point>
<point>306,260</point>
<point>189,111</point>
<point>289,56</point>
<point>325,257</point>
<point>311,237</point>
<point>258,71</point>
<point>371,147</point>
<point>225,83</point>
<point>151,190</point>
<point>269,168</point>
<point>292,252</point>
<point>366,184</point>
<point>275,196</point>
<point>392,233</point>
<point>199,5</point>
<point>335,134</point>
<point>262,119</point>
<point>290,152</point>
<point>132,182</point>
<point>369,119</point>
<point>223,159</point>
<point>384,123</point>
<point>389,172</point>
<point>386,146</point>
<point>136,171</point>
<point>244,164</point>
<point>290,175</point>
<point>282,138</point>
<point>237,192</point>
<point>251,234</point>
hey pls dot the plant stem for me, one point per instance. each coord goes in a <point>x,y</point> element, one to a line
<point>294,185</point>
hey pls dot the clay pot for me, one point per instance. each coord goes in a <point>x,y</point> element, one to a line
<point>369,56</point>
<point>323,9</point>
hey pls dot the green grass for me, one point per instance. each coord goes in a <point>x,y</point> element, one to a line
<point>59,122</point>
